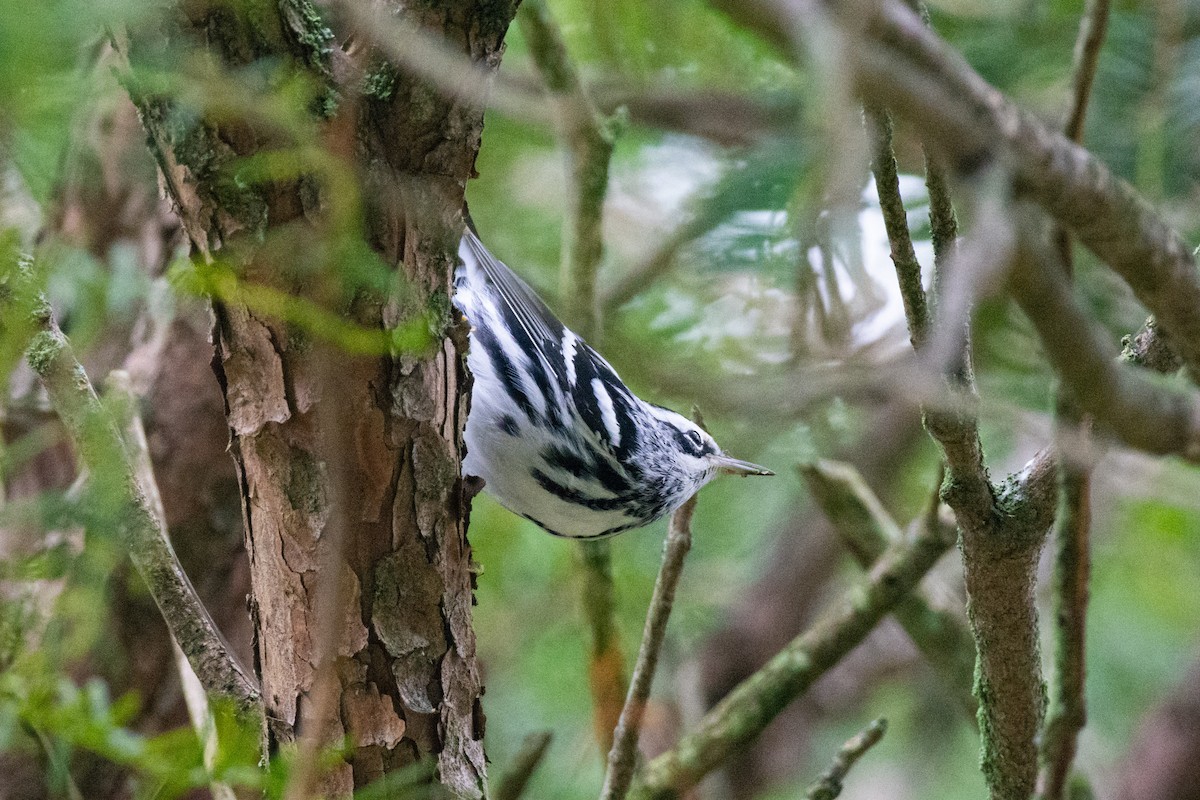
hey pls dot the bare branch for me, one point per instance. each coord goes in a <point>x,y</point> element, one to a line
<point>895,220</point>
<point>752,704</point>
<point>1141,413</point>
<point>999,547</point>
<point>970,123</point>
<point>103,450</point>
<point>829,785</point>
<point>1149,348</point>
<point>622,758</point>
<point>589,140</point>
<point>1067,712</point>
<point>868,530</point>
<point>525,763</point>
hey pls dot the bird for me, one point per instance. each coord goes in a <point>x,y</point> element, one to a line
<point>552,431</point>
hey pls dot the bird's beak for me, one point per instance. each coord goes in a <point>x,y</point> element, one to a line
<point>734,466</point>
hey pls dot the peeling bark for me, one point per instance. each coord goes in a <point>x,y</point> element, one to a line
<point>349,465</point>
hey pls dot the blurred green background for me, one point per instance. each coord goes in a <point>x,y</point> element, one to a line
<point>749,325</point>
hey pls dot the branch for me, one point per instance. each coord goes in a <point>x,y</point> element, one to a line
<point>895,220</point>
<point>1067,713</point>
<point>527,760</point>
<point>102,450</point>
<point>1001,536</point>
<point>751,705</point>
<point>971,122</point>
<point>829,785</point>
<point>868,530</point>
<point>589,140</point>
<point>622,758</point>
<point>1149,348</point>
<point>919,77</point>
<point>1141,413</point>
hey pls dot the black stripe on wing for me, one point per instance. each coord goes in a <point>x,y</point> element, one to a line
<point>595,376</point>
<point>578,498</point>
<point>528,320</point>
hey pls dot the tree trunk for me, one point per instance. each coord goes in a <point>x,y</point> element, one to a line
<point>350,464</point>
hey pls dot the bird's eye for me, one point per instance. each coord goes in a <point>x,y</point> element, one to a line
<point>695,439</point>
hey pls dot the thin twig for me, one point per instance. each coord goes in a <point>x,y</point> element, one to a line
<point>868,530</point>
<point>118,390</point>
<point>589,140</point>
<point>512,785</point>
<point>895,219</point>
<point>1067,713</point>
<point>622,758</point>
<point>753,703</point>
<point>103,451</point>
<point>829,785</point>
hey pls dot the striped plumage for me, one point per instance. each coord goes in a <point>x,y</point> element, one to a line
<point>553,432</point>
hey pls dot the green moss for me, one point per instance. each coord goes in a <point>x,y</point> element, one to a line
<point>44,349</point>
<point>314,40</point>
<point>440,314</point>
<point>305,487</point>
<point>240,201</point>
<point>380,82</point>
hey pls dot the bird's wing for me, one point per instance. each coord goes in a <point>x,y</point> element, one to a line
<point>521,308</point>
<point>584,379</point>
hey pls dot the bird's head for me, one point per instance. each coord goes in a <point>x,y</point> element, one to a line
<point>694,455</point>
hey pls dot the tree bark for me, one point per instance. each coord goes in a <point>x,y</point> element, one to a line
<point>350,473</point>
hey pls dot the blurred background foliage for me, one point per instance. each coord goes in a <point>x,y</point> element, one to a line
<point>773,301</point>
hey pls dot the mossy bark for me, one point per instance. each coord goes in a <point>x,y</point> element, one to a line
<point>349,464</point>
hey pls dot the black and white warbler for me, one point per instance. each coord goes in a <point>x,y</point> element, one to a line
<point>553,432</point>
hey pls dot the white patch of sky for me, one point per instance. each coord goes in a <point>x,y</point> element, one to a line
<point>650,193</point>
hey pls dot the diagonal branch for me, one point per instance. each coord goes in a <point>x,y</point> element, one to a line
<point>103,451</point>
<point>867,530</point>
<point>829,785</point>
<point>1140,412</point>
<point>752,704</point>
<point>970,124</point>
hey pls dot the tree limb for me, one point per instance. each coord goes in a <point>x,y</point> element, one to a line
<point>622,758</point>
<point>529,757</point>
<point>829,785</point>
<point>919,77</point>
<point>999,547</point>
<point>103,451</point>
<point>1067,712</point>
<point>868,530</point>
<point>753,703</point>
<point>1141,413</point>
